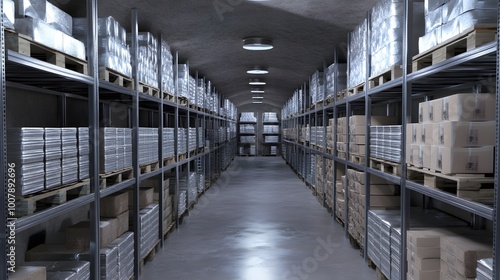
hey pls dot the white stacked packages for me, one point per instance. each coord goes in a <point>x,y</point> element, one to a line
<point>182,202</point>
<point>253,151</point>
<point>248,117</point>
<point>183,80</point>
<point>168,142</point>
<point>330,79</point>
<point>148,145</point>
<point>385,142</point>
<point>83,153</point>
<point>127,135</point>
<point>115,149</point>
<point>274,150</point>
<point>357,56</point>
<point>69,155</point>
<point>446,19</point>
<point>188,182</point>
<point>374,238</point>
<point>181,141</point>
<point>78,270</point>
<point>192,138</point>
<point>48,25</point>
<point>201,94</point>
<point>109,262</point>
<point>147,61</point>
<point>167,68</point>
<point>201,137</point>
<point>53,156</point>
<point>114,53</point>
<point>25,148</point>
<point>484,269</point>
<point>149,228</point>
<point>395,253</point>
<point>232,130</point>
<point>247,139</point>
<point>200,178</point>
<point>223,131</point>
<point>192,90</point>
<point>317,88</point>
<point>125,249</point>
<point>9,17</point>
<point>247,128</point>
<point>270,117</point>
<point>271,139</point>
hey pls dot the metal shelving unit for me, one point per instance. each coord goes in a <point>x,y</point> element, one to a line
<point>27,73</point>
<point>479,66</point>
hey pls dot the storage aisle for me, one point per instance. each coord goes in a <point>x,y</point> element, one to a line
<point>259,222</point>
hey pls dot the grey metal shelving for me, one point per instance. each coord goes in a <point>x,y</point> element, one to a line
<point>27,73</point>
<point>459,72</point>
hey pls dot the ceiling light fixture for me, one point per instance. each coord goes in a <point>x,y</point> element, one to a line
<point>257,97</point>
<point>257,102</point>
<point>257,70</point>
<point>257,82</point>
<point>257,44</point>
<point>257,90</point>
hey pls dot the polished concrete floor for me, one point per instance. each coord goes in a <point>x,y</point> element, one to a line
<point>259,222</point>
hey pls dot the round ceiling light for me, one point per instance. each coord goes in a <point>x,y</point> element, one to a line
<point>257,82</point>
<point>257,71</point>
<point>257,44</point>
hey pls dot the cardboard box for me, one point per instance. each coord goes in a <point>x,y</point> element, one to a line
<point>358,139</point>
<point>469,107</point>
<point>146,197</point>
<point>423,112</point>
<point>431,131</point>
<point>425,252</point>
<point>385,201</point>
<point>462,160</point>
<point>418,274</point>
<point>114,205</point>
<point>449,273</point>
<point>434,110</point>
<point>465,134</point>
<point>425,238</point>
<point>29,273</point>
<point>357,129</point>
<point>360,120</point>
<point>418,155</point>
<point>412,133</point>
<point>467,251</point>
<point>425,264</point>
<point>78,238</point>
<point>52,252</point>
<point>122,223</point>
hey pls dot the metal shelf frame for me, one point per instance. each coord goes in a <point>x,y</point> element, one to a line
<point>462,71</point>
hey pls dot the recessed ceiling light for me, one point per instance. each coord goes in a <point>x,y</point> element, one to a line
<point>257,82</point>
<point>257,97</point>
<point>257,102</point>
<point>257,90</point>
<point>257,71</point>
<point>257,44</point>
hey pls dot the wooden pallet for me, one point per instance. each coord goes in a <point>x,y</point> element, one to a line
<point>183,101</point>
<point>475,187</point>
<point>150,256</point>
<point>386,166</point>
<point>341,95</point>
<point>149,90</point>
<point>25,45</point>
<point>193,153</point>
<point>394,72</point>
<point>169,161</point>
<point>28,205</point>
<point>113,178</point>
<point>357,159</point>
<point>169,97</point>
<point>114,77</point>
<point>182,157</point>
<point>191,205</point>
<point>468,40</point>
<point>147,168</point>
<point>329,100</point>
<point>169,230</point>
<point>355,90</point>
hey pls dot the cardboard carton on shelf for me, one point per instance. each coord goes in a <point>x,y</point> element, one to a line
<point>78,235</point>
<point>29,273</point>
<point>462,160</point>
<point>469,107</point>
<point>418,274</point>
<point>146,197</point>
<point>454,134</point>
<point>114,205</point>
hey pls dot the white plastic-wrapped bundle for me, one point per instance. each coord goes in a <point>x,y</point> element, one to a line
<point>46,35</point>
<point>148,145</point>
<point>168,142</point>
<point>167,68</point>
<point>9,17</point>
<point>83,153</point>
<point>201,137</point>
<point>113,50</point>
<point>31,8</point>
<point>317,90</point>
<point>182,202</point>
<point>58,19</point>
<point>125,249</point>
<point>183,80</point>
<point>192,90</point>
<point>147,64</point>
<point>181,140</point>
<point>200,101</point>
<point>330,79</point>
<point>248,117</point>
<point>357,56</point>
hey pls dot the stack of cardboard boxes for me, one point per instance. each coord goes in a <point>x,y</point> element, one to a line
<point>330,144</point>
<point>340,198</point>
<point>329,182</point>
<point>167,203</point>
<point>319,178</point>
<point>341,138</point>
<point>357,137</point>
<point>455,134</point>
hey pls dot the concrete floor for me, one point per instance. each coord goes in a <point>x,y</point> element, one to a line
<point>259,222</point>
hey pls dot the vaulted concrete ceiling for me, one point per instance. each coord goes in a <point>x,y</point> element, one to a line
<point>209,33</point>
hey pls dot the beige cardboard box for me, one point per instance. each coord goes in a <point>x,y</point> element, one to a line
<point>146,197</point>
<point>467,270</point>
<point>434,110</point>
<point>385,201</point>
<point>431,133</point>
<point>465,134</point>
<point>114,205</point>
<point>355,149</point>
<point>357,129</point>
<point>52,252</point>
<point>423,112</point>
<point>449,273</point>
<point>29,273</point>
<point>122,223</point>
<point>358,139</point>
<point>409,154</point>
<point>462,160</point>
<point>423,275</point>
<point>425,252</point>
<point>425,264</point>
<point>469,107</point>
<point>467,249</point>
<point>417,155</point>
<point>425,155</point>
<point>412,133</point>
<point>360,120</point>
<point>425,238</point>
<point>78,238</point>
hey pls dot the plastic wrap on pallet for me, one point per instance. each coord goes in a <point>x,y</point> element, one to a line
<point>148,145</point>
<point>431,5</point>
<point>40,32</point>
<point>167,68</point>
<point>31,8</point>
<point>125,247</point>
<point>9,17</point>
<point>454,8</point>
<point>183,80</point>
<point>58,19</point>
<point>357,56</point>
<point>79,269</point>
<point>147,59</point>
<point>330,79</point>
<point>484,269</point>
<point>108,260</point>
<point>434,19</point>
<point>30,178</point>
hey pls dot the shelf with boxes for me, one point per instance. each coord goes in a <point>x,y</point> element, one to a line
<point>464,62</point>
<point>80,132</point>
